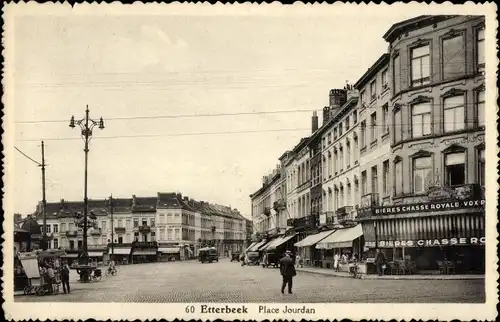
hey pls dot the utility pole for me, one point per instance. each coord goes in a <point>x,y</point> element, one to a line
<point>112,229</point>
<point>44,201</point>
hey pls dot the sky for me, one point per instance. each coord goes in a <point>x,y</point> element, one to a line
<point>129,66</point>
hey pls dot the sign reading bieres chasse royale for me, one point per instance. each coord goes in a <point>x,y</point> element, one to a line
<point>429,206</point>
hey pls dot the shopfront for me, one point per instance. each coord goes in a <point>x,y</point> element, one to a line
<point>346,241</point>
<point>428,234</point>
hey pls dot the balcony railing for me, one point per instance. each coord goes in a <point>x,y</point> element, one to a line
<point>96,232</point>
<point>120,230</point>
<point>71,233</point>
<point>343,211</point>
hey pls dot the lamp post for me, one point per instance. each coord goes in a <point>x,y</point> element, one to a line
<point>86,124</point>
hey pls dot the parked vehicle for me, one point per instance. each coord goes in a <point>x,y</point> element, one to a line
<point>271,259</point>
<point>253,258</point>
<point>208,254</point>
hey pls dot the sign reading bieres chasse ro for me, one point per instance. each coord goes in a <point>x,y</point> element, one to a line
<point>429,206</point>
<point>456,241</point>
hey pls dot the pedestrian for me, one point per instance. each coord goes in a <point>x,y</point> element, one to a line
<point>65,277</point>
<point>287,270</point>
<point>379,262</point>
<point>50,278</point>
<point>336,262</point>
<point>298,260</point>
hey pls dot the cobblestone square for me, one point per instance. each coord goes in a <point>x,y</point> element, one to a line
<point>226,281</point>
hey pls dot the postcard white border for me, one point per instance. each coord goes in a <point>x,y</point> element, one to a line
<point>116,311</point>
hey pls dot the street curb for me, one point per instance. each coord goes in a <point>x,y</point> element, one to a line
<point>402,277</point>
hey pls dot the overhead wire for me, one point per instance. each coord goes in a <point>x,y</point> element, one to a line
<point>28,157</point>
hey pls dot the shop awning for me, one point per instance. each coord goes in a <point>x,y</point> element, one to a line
<point>96,254</point>
<point>69,256</point>
<point>312,240</point>
<point>251,245</point>
<point>169,250</point>
<point>269,243</point>
<point>143,252</point>
<point>121,251</point>
<point>341,238</point>
<point>258,245</point>
<point>280,241</point>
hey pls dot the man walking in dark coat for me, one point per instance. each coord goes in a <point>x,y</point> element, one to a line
<point>287,270</point>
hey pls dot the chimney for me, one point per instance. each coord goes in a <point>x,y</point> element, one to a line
<point>133,200</point>
<point>185,199</point>
<point>338,97</point>
<point>326,114</point>
<point>314,122</point>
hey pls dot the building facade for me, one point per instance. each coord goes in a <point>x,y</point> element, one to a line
<point>437,107</point>
<point>140,229</point>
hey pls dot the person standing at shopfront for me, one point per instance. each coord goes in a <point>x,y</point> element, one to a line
<point>65,277</point>
<point>379,262</point>
<point>336,262</point>
<point>287,270</point>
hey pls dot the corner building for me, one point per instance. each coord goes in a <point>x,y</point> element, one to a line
<point>436,217</point>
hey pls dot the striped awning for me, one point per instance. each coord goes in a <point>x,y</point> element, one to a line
<point>467,225</point>
<point>312,240</point>
<point>96,254</point>
<point>251,245</point>
<point>257,246</point>
<point>341,238</point>
<point>279,241</point>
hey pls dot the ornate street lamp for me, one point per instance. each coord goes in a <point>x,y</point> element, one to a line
<point>86,124</point>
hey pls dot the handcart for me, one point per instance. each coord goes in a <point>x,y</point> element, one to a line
<point>37,283</point>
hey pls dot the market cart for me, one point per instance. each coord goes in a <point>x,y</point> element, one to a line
<point>33,262</point>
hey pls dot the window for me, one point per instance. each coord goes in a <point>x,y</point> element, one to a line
<point>355,117</point>
<point>336,160</point>
<point>396,74</point>
<point>136,222</point>
<point>356,148</point>
<point>373,90</point>
<point>136,236</point>
<point>55,229</point>
<point>177,234</point>
<point>169,234</point>
<point>153,236</point>
<point>385,81</point>
<point>152,222</point>
<point>47,227</point>
<point>329,165</point>
<point>398,178</point>
<point>363,183</point>
<point>335,133</point>
<point>56,243</point>
<point>397,126</point>
<point>323,143</point>
<point>481,163</point>
<point>120,223</point>
<point>63,227</point>
<point>420,66</point>
<point>374,180</point>
<point>329,138</point>
<point>341,165</point>
<point>385,115</point>
<point>347,123</point>
<point>127,222</point>
<point>348,154</point>
<point>340,129</point>
<point>480,108</point>
<point>421,119</point>
<point>453,58</point>
<point>144,222</point>
<point>373,129</point>
<point>385,178</point>
<point>454,113</point>
<point>120,239</point>
<point>455,168</point>
<point>480,50</point>
<point>362,98</point>
<point>104,226</point>
<point>422,174</point>
<point>363,134</point>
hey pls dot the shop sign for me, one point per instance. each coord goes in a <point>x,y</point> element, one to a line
<point>459,241</point>
<point>432,206</point>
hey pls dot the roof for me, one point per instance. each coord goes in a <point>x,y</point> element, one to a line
<point>404,26</point>
<point>302,143</point>
<point>30,225</point>
<point>372,71</point>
